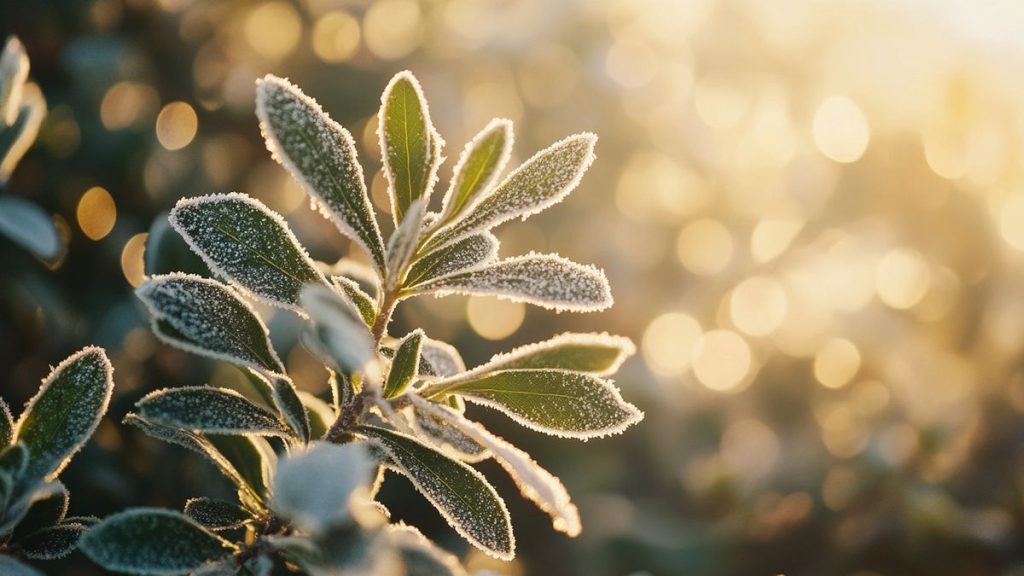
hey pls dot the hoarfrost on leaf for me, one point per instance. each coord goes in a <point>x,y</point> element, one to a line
<point>470,252</point>
<point>402,243</point>
<point>598,354</point>
<point>346,340</point>
<point>479,165</point>
<point>210,411</point>
<point>405,364</point>
<point>216,514</point>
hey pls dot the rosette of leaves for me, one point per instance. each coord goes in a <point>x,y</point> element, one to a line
<point>56,422</point>
<point>22,108</point>
<point>401,397</point>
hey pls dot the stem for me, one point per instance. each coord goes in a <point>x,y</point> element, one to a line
<point>387,308</point>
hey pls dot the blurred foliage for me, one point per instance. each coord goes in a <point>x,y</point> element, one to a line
<point>812,214</point>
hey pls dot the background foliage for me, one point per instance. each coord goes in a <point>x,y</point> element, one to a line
<point>812,220</point>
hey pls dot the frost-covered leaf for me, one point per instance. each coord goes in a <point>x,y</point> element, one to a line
<point>361,300</point>
<point>251,456</point>
<point>320,414</point>
<point>404,240</point>
<point>557,402</point>
<point>442,434</point>
<point>17,138</point>
<point>542,181</point>
<point>536,484</point>
<point>312,488</point>
<point>14,460</point>
<point>21,494</point>
<point>440,359</point>
<point>208,318</point>
<point>59,419</point>
<point>209,411</point>
<point>216,514</point>
<point>285,397</point>
<point>10,566</point>
<point>52,542</point>
<point>420,556</point>
<point>152,541</point>
<point>166,251</point>
<point>410,146</point>
<point>405,365</point>
<point>460,493</point>
<point>599,354</point>
<point>467,253</point>
<point>321,156</point>
<point>244,241</point>
<point>346,340</point>
<point>29,226</point>
<point>481,161</point>
<point>546,280</point>
<point>6,425</point>
<point>48,506</point>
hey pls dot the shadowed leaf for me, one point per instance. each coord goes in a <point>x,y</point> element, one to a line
<point>210,411</point>
<point>52,542</point>
<point>405,364</point>
<point>216,514</point>
<point>467,253</point>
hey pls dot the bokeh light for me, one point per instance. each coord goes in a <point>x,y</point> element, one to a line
<point>176,125</point>
<point>96,213</point>
<point>494,319</point>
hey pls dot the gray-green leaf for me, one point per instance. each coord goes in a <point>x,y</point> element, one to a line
<point>345,339</point>
<point>152,541</point>
<point>11,567</point>
<point>321,156</point>
<point>52,542</point>
<point>216,514</point>
<point>361,300</point>
<point>316,506</point>
<point>481,161</point>
<point>29,226</point>
<point>467,253</point>
<point>209,411</point>
<point>405,365</point>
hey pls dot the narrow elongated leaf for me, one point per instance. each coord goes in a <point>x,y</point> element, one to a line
<point>152,541</point>
<point>542,181</point>
<point>460,493</point>
<point>346,339</point>
<point>555,402</point>
<point>404,240</point>
<point>209,411</point>
<point>285,398</point>
<point>244,241</point>
<point>536,484</point>
<point>9,566</point>
<point>6,425</point>
<point>420,556</point>
<point>29,226</point>
<point>52,542</point>
<point>214,514</point>
<point>440,433</point>
<point>361,300</point>
<point>210,319</point>
<point>410,146</point>
<point>599,354</point>
<point>64,413</point>
<point>405,366</point>
<point>480,162</point>
<point>546,280</point>
<point>316,506</point>
<point>470,252</point>
<point>321,156</point>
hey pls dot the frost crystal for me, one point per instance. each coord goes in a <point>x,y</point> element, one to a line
<point>599,354</point>
<point>470,252</point>
<point>402,243</point>
<point>209,410</point>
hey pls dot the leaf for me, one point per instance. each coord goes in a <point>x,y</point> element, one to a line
<point>52,542</point>
<point>443,435</point>
<point>410,146</point>
<point>6,425</point>
<point>483,158</point>
<point>22,494</point>
<point>285,398</point>
<point>346,340</point>
<point>541,182</point>
<point>404,240</point>
<point>209,319</point>
<point>556,402</point>
<point>250,456</point>
<point>214,514</point>
<point>321,156</point>
<point>28,226</point>
<point>152,541</point>
<point>315,506</point>
<point>59,419</point>
<point>209,411</point>
<point>17,138</point>
<point>14,66</point>
<point>420,556</point>
<point>460,494</point>
<point>536,484</point>
<point>168,252</point>
<point>467,253</point>
<point>405,365</point>
<point>320,414</point>
<point>361,300</point>
<point>48,507</point>
<point>440,359</point>
<point>244,241</point>
<point>11,567</point>
<point>546,280</point>
<point>598,354</point>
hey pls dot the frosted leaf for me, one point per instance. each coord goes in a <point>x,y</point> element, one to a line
<point>404,240</point>
<point>166,251</point>
<point>23,494</point>
<point>9,566</point>
<point>405,364</point>
<point>52,542</point>
<point>313,488</point>
<point>460,493</point>
<point>45,506</point>
<point>244,241</point>
<point>420,556</point>
<point>467,253</point>
<point>28,226</point>
<point>599,354</point>
<point>410,146</point>
<point>546,280</point>
<point>440,359</point>
<point>442,434</point>
<point>361,300</point>
<point>541,182</point>
<point>346,340</point>
<point>536,484</point>
<point>480,162</point>
<point>59,419</point>
<point>285,398</point>
<point>251,456</point>
<point>320,414</point>
<point>6,425</point>
<point>321,156</point>
<point>208,318</point>
<point>556,402</point>
<point>152,541</point>
<point>209,411</point>
<point>363,275</point>
<point>214,514</point>
<point>17,138</point>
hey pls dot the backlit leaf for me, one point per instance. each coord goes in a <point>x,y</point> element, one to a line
<point>599,354</point>
<point>467,253</point>
<point>479,164</point>
<point>442,434</point>
<point>361,300</point>
<point>210,411</point>
<point>403,241</point>
<point>216,514</point>
<point>346,340</point>
<point>405,364</point>
<point>284,395</point>
<point>6,425</point>
<point>17,138</point>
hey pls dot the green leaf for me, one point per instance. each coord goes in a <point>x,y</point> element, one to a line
<point>209,411</point>
<point>410,146</point>
<point>315,506</point>
<point>64,413</point>
<point>209,319</point>
<point>52,542</point>
<point>440,359</point>
<point>214,514</point>
<point>152,541</point>
<point>11,567</point>
<point>420,556</point>
<point>29,226</point>
<point>405,365</point>
<point>244,241</point>
<point>460,493</point>
<point>545,280</point>
<point>320,414</point>
<point>251,456</point>
<point>599,354</point>
<point>321,156</point>
<point>361,300</point>
<point>168,252</point>
<point>404,240</point>
<point>285,397</point>
<point>470,252</point>
<point>48,507</point>
<point>440,433</point>
<point>556,402</point>
<point>344,340</point>
<point>6,425</point>
<point>479,164</point>
<point>541,182</point>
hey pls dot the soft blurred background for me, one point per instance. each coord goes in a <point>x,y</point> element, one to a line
<point>811,214</point>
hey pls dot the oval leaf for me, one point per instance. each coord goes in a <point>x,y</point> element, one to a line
<point>29,226</point>
<point>210,411</point>
<point>467,253</point>
<point>51,543</point>
<point>480,162</point>
<point>405,365</point>
<point>216,514</point>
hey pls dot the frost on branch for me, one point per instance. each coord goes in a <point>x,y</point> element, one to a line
<point>244,241</point>
<point>546,280</point>
<point>480,162</point>
<point>210,411</point>
<point>470,252</point>
<point>321,156</point>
